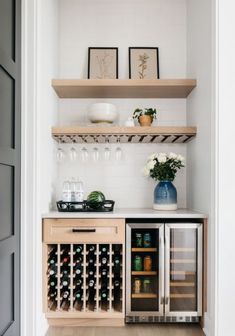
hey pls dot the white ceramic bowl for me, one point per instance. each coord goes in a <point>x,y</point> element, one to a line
<point>102,113</point>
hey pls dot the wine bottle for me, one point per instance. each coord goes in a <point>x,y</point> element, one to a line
<point>65,260</point>
<point>52,269</point>
<point>78,269</point>
<point>91,248</point>
<point>52,282</point>
<point>91,291</point>
<point>65,280</point>
<point>52,293</point>
<point>52,260</point>
<point>104,250</point>
<point>78,249</point>
<point>117,289</point>
<point>65,269</point>
<point>104,261</point>
<point>117,264</point>
<point>64,294</point>
<point>77,259</point>
<point>77,282</point>
<point>104,272</point>
<point>104,294</point>
<point>78,294</point>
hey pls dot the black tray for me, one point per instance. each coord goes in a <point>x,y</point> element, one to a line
<point>85,206</point>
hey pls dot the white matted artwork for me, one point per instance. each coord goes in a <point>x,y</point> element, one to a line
<point>102,63</point>
<point>143,63</point>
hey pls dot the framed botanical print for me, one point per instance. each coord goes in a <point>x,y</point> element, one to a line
<point>102,63</point>
<point>143,63</point>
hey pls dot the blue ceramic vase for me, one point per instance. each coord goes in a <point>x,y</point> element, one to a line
<point>165,196</point>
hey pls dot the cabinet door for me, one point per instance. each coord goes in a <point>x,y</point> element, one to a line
<point>183,269</point>
<point>145,269</point>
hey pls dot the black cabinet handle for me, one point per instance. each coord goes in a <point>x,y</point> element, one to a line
<point>83,230</point>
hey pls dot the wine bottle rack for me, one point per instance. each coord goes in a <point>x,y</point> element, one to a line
<point>89,281</point>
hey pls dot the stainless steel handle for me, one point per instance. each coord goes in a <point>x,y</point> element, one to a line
<point>167,269</point>
<point>83,230</point>
<point>161,265</point>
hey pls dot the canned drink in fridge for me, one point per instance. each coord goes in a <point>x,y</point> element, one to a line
<point>138,263</point>
<point>138,239</point>
<point>147,286</point>
<point>137,286</point>
<point>147,239</point>
<point>147,264</point>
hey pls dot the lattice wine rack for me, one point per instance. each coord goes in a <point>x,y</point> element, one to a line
<point>84,278</point>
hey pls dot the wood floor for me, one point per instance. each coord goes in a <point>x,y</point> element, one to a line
<point>130,330</point>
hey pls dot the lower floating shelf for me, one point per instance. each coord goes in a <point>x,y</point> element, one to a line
<point>112,134</point>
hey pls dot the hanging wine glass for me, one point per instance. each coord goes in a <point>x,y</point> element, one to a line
<point>95,152</point>
<point>84,152</point>
<point>118,152</point>
<point>107,151</point>
<point>73,155</point>
<point>60,154</point>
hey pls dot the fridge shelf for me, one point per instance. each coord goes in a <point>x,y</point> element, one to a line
<point>183,273</point>
<point>182,249</point>
<point>182,296</point>
<point>144,296</point>
<point>143,249</point>
<point>143,273</point>
<point>183,261</point>
<point>182,284</point>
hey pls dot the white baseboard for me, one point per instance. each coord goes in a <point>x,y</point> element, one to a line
<point>207,328</point>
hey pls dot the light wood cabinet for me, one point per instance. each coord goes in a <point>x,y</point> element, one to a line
<point>66,272</point>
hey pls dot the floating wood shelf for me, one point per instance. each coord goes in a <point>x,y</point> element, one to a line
<point>137,134</point>
<point>144,296</point>
<point>123,88</point>
<point>143,273</point>
<point>143,249</point>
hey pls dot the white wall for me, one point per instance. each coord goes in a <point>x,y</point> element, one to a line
<point>39,112</point>
<point>225,163</point>
<point>124,23</point>
<point>200,167</point>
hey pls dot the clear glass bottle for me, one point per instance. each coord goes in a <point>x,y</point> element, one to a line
<point>66,192</point>
<point>79,191</point>
<point>73,189</point>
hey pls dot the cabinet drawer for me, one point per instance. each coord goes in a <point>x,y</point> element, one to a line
<point>83,230</point>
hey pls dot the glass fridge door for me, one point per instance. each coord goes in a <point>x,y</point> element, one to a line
<point>183,278</point>
<point>145,269</point>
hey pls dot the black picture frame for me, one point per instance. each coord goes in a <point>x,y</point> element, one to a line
<point>143,48</point>
<point>89,73</point>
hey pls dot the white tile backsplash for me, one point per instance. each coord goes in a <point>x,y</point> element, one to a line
<point>152,23</point>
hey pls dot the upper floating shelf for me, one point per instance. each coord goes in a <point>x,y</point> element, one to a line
<point>137,134</point>
<point>123,88</point>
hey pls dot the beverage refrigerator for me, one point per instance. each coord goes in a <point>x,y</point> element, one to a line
<point>163,271</point>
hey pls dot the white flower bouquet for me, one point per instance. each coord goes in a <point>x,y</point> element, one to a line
<point>163,167</point>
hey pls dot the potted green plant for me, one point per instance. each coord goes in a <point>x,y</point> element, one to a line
<point>145,116</point>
